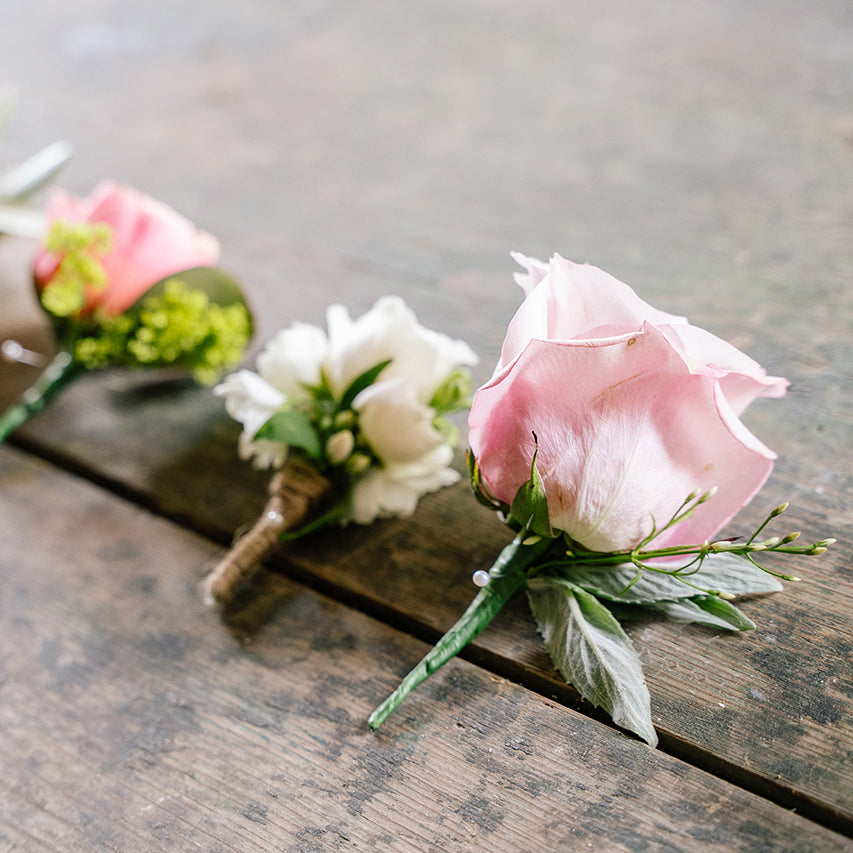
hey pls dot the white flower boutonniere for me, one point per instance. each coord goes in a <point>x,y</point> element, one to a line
<point>355,418</point>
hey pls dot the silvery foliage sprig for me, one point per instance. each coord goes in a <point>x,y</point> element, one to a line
<point>578,596</point>
<point>19,184</point>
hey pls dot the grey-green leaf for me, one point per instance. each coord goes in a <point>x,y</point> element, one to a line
<point>21,221</point>
<point>590,649</point>
<point>219,287</point>
<point>724,572</point>
<point>8,100</point>
<point>20,183</point>
<point>704,610</point>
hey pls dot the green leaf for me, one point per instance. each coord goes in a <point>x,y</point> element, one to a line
<point>590,649</point>
<point>203,327</point>
<point>293,429</point>
<point>720,608</point>
<point>727,573</point>
<point>530,504</point>
<point>704,610</point>
<point>333,514</point>
<point>453,394</point>
<point>219,287</point>
<point>361,382</point>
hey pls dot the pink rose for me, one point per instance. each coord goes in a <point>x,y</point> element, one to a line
<point>633,409</point>
<point>150,241</point>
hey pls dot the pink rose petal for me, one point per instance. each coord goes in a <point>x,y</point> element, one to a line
<point>626,431</point>
<point>150,241</point>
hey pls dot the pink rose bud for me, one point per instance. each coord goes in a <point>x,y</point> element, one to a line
<point>633,410</point>
<point>148,242</point>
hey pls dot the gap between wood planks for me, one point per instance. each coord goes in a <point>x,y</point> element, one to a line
<point>564,694</point>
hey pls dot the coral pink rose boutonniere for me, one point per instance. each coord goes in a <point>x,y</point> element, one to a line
<point>126,280</point>
<point>609,439</point>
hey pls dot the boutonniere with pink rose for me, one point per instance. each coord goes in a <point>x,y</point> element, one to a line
<point>126,280</point>
<point>354,420</point>
<point>609,439</point>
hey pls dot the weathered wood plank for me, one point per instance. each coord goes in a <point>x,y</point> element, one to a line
<point>702,153</point>
<point>131,718</point>
<point>769,709</point>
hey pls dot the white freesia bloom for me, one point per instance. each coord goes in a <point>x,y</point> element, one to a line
<point>249,398</point>
<point>252,401</point>
<point>395,425</point>
<point>294,359</point>
<point>396,489</point>
<point>390,330</point>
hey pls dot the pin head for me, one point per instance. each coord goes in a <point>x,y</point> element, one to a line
<point>13,351</point>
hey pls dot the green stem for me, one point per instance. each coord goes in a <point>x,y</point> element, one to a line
<point>62,370</point>
<point>507,576</point>
<point>615,558</point>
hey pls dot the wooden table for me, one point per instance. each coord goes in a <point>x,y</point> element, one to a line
<point>702,152</point>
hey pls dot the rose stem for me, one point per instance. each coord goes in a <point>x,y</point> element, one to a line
<point>295,491</point>
<point>55,377</point>
<point>507,576</point>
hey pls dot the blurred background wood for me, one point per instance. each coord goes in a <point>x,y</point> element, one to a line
<point>702,153</point>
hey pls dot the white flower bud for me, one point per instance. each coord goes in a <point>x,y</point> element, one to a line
<point>344,420</point>
<point>340,446</point>
<point>358,463</point>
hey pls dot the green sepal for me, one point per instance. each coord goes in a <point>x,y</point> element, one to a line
<point>530,504</point>
<point>364,380</point>
<point>294,429</point>
<point>481,491</point>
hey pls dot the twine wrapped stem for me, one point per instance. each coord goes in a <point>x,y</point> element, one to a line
<point>296,491</point>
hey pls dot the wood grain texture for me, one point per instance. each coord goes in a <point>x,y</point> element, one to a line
<point>703,153</point>
<point>770,709</point>
<point>132,719</point>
